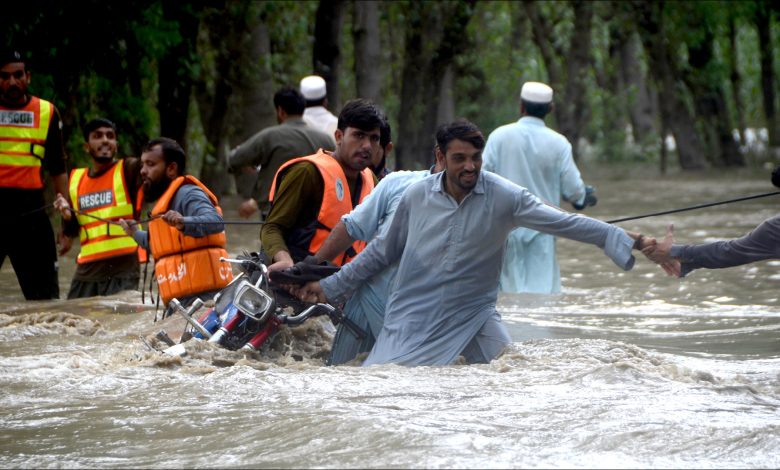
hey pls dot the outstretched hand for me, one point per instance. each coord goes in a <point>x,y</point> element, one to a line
<point>660,253</point>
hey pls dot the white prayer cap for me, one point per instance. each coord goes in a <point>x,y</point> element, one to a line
<point>313,87</point>
<point>536,92</point>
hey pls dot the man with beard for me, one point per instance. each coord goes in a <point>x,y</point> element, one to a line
<point>449,235</point>
<point>310,194</point>
<point>30,142</point>
<point>186,234</point>
<point>108,260</point>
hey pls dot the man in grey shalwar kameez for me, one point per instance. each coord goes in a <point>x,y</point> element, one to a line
<point>449,232</point>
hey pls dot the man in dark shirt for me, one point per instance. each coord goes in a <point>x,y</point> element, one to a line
<point>30,142</point>
<point>108,262</point>
<point>256,161</point>
<point>762,243</point>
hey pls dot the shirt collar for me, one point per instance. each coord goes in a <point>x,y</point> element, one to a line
<point>294,121</point>
<point>532,120</point>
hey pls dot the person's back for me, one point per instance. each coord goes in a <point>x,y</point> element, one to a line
<point>541,158</point>
<point>264,153</point>
<point>293,138</point>
<point>531,155</point>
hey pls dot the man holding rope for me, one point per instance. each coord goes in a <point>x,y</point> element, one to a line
<point>108,191</point>
<point>30,142</point>
<point>186,234</point>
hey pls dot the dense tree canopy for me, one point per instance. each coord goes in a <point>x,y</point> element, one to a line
<point>204,72</point>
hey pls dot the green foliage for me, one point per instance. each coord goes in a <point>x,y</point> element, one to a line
<point>100,58</point>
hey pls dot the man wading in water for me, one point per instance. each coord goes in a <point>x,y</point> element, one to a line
<point>461,217</point>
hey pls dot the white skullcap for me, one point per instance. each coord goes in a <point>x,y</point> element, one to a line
<point>536,92</point>
<point>313,87</point>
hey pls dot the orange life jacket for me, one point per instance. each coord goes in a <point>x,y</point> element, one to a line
<point>186,265</point>
<point>105,196</point>
<point>336,202</point>
<point>23,134</point>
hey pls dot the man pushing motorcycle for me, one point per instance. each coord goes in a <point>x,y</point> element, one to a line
<point>186,235</point>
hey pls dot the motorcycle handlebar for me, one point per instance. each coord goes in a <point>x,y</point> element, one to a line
<point>336,316</point>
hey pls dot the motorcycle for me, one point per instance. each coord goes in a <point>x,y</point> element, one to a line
<point>248,312</point>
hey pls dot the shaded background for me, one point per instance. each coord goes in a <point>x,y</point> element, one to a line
<point>624,72</point>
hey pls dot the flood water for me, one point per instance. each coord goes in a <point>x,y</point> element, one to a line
<point>623,369</point>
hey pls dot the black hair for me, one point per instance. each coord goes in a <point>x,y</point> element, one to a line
<point>776,177</point>
<point>10,56</point>
<point>385,133</point>
<point>460,129</point>
<point>290,100</point>
<point>171,150</point>
<point>539,110</point>
<point>361,114</point>
<point>96,124</point>
<point>317,102</point>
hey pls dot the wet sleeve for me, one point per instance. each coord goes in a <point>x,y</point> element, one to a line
<point>55,159</point>
<point>362,222</point>
<point>380,253</point>
<point>761,244</point>
<point>300,191</point>
<point>531,212</point>
<point>200,216</point>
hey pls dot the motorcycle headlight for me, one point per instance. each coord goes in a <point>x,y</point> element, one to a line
<point>253,302</point>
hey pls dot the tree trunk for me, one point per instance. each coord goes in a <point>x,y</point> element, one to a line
<point>710,104</point>
<point>736,80</point>
<point>254,99</point>
<point>642,109</point>
<point>566,68</point>
<point>674,113</point>
<point>434,37</point>
<point>764,25</point>
<point>365,32</point>
<point>241,27</point>
<point>175,79</point>
<point>445,112</point>
<point>327,51</point>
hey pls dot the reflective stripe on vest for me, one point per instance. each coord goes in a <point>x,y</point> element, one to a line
<point>186,265</point>
<point>106,197</point>
<point>23,135</point>
<point>336,199</point>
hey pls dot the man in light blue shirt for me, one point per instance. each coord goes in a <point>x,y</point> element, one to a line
<point>371,218</point>
<point>448,236</point>
<point>530,154</point>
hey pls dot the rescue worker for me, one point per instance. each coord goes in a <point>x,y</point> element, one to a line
<point>310,194</point>
<point>262,154</point>
<point>30,142</point>
<point>316,114</point>
<point>532,155</point>
<point>108,191</point>
<point>186,235</point>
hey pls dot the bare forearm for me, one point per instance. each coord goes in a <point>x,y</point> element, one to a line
<point>336,243</point>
